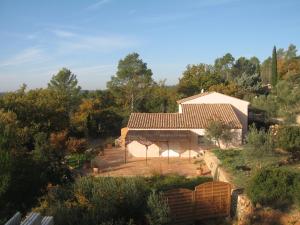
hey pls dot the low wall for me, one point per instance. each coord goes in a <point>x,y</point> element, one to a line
<point>241,206</point>
<point>213,163</point>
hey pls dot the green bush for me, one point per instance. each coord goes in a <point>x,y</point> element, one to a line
<point>118,222</point>
<point>164,183</point>
<point>288,138</point>
<point>112,200</point>
<point>97,200</point>
<point>296,191</point>
<point>259,142</point>
<point>259,147</point>
<point>273,187</point>
<point>159,212</point>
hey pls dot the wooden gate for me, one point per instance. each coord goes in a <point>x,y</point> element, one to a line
<point>181,205</point>
<point>211,199</point>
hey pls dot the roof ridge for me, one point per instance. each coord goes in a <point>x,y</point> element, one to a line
<point>204,94</point>
<point>206,104</point>
<point>194,96</point>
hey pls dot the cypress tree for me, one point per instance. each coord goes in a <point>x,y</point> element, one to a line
<point>274,77</point>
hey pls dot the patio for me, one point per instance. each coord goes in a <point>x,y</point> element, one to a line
<point>112,164</point>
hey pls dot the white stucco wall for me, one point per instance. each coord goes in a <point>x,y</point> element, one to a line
<point>136,149</point>
<point>177,148</point>
<point>180,147</point>
<point>189,153</point>
<point>236,141</point>
<point>240,106</point>
<point>170,153</point>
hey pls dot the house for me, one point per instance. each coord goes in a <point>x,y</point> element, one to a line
<point>182,134</point>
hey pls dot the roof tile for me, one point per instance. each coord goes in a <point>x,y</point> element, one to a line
<point>193,116</point>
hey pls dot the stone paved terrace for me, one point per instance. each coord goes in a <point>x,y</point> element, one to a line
<point>112,164</point>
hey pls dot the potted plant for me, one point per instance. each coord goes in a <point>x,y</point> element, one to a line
<point>109,143</point>
<point>95,170</point>
<point>201,167</point>
<point>199,171</point>
<point>94,166</point>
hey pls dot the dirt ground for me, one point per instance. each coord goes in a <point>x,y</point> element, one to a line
<point>112,164</point>
<point>267,216</point>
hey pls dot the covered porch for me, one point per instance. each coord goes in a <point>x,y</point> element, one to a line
<point>162,143</point>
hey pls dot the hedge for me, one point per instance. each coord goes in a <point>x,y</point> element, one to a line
<point>275,187</point>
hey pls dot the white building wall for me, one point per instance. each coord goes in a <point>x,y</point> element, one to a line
<point>179,148</point>
<point>137,149</point>
<point>240,106</point>
<point>236,141</point>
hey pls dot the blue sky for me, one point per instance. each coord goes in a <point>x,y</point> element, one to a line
<point>37,37</point>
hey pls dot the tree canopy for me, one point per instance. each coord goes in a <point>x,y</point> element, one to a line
<point>41,128</point>
<point>197,77</point>
<point>131,83</point>
<point>66,83</point>
<point>274,67</point>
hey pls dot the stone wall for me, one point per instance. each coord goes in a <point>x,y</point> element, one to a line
<point>124,132</point>
<point>241,206</point>
<point>213,163</point>
<point>244,209</point>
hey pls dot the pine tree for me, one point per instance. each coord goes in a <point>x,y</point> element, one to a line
<point>274,77</point>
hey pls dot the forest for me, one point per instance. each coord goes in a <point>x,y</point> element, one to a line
<point>40,127</point>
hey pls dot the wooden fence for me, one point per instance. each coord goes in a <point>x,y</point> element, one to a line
<point>208,200</point>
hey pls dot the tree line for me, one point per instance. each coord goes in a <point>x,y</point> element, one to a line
<point>39,127</point>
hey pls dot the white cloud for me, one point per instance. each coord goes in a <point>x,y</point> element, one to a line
<point>31,36</point>
<point>97,43</point>
<point>63,33</point>
<point>92,69</point>
<point>97,4</point>
<point>25,56</point>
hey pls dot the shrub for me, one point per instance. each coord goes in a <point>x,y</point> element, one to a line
<point>296,191</point>
<point>118,222</point>
<point>112,200</point>
<point>97,200</point>
<point>267,103</point>
<point>114,197</point>
<point>260,141</point>
<point>259,145</point>
<point>159,212</point>
<point>288,138</point>
<point>75,145</point>
<point>164,183</point>
<point>272,187</point>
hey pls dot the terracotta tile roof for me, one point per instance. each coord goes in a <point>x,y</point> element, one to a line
<point>193,116</point>
<point>193,97</point>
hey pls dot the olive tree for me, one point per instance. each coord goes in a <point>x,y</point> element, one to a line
<point>218,131</point>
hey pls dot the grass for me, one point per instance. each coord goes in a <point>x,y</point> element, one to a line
<point>167,182</point>
<point>77,160</point>
<point>241,166</point>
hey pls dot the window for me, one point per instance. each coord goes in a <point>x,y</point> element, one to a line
<point>201,139</point>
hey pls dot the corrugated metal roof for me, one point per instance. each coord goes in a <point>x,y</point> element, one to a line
<point>193,116</point>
